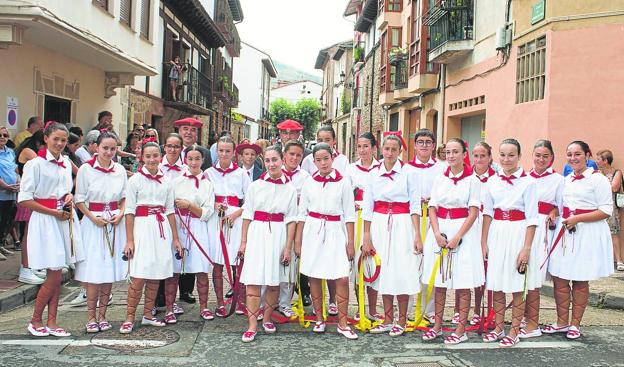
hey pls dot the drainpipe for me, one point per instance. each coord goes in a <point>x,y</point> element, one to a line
<point>370,121</point>
<point>440,122</point>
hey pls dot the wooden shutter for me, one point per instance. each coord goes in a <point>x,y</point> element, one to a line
<point>102,3</point>
<point>125,11</point>
<point>145,18</point>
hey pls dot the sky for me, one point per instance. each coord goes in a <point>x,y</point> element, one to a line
<point>294,31</point>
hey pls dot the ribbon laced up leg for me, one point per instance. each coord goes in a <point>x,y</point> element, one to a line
<point>43,297</point>
<point>253,306</point>
<point>531,309</point>
<point>464,308</point>
<point>217,281</point>
<point>562,299</point>
<point>499,309</point>
<point>202,289</point>
<point>316,294</point>
<point>342,300</point>
<point>93,293</point>
<point>270,302</point>
<point>388,305</point>
<point>517,313</point>
<point>171,289</point>
<point>105,291</point>
<point>151,289</point>
<point>580,297</point>
<point>440,300</point>
<point>135,291</point>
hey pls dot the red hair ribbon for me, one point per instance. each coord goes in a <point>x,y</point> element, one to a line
<point>398,134</point>
<point>149,140</point>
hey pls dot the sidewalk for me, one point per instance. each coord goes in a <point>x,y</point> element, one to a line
<point>13,293</point>
<point>603,293</point>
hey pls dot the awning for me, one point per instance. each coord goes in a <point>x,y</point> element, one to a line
<point>195,17</point>
<point>45,29</point>
<point>368,16</point>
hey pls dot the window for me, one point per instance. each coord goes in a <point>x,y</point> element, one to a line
<point>384,61</point>
<point>102,3</point>
<point>414,50</point>
<point>531,71</point>
<point>394,41</point>
<point>395,5</point>
<point>125,11</point>
<point>145,18</point>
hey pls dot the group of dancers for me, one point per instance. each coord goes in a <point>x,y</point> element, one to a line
<point>428,226</point>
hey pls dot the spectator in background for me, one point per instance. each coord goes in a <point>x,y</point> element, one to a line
<point>76,130</point>
<point>189,128</point>
<point>213,147</point>
<point>604,159</point>
<point>441,153</point>
<point>590,163</point>
<point>132,141</point>
<point>152,134</point>
<point>35,124</point>
<point>139,131</point>
<point>262,143</point>
<point>9,186</point>
<point>247,157</point>
<point>73,143</point>
<point>88,149</point>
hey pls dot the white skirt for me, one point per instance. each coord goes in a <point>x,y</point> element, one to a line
<point>194,261</point>
<point>355,269</point>
<point>99,266</point>
<point>152,254</point>
<point>400,266</point>
<point>263,253</point>
<point>233,238</point>
<point>536,274</point>
<point>466,267</point>
<point>505,240</point>
<point>324,249</point>
<point>50,243</point>
<point>584,255</point>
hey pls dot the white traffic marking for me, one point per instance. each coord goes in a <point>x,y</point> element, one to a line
<point>84,343</point>
<point>477,345</point>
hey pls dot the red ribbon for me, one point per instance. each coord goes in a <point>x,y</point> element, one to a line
<point>398,134</point>
<point>490,173</point>
<point>43,154</point>
<point>509,179</point>
<point>172,167</point>
<point>467,172</point>
<point>191,177</point>
<point>422,165</point>
<point>317,177</point>
<point>226,171</point>
<point>277,181</point>
<point>577,177</point>
<point>151,177</point>
<point>149,140</point>
<point>91,162</point>
<point>290,174</point>
<point>145,210</point>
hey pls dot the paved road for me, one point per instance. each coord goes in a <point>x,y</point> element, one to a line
<point>217,343</point>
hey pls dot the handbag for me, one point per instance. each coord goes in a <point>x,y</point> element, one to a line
<point>619,197</point>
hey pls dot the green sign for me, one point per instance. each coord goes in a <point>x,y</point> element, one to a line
<point>538,11</point>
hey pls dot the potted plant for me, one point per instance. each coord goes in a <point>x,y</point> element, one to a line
<point>396,55</point>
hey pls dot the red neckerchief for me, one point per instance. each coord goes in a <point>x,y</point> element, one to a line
<point>548,172</point>
<point>422,165</point>
<point>170,167</point>
<point>290,174</point>
<point>364,169</point>
<point>317,177</point>
<point>391,173</point>
<point>226,171</point>
<point>191,177</point>
<point>149,176</point>
<point>278,181</point>
<point>490,173</point>
<point>92,161</point>
<point>43,153</point>
<point>581,176</point>
<point>465,173</point>
<point>335,154</point>
<point>509,179</point>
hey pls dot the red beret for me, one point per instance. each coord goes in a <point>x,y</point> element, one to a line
<point>189,121</point>
<point>241,147</point>
<point>291,125</point>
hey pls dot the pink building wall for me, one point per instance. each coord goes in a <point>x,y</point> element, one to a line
<point>583,99</point>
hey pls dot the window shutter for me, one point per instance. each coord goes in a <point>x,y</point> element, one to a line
<point>102,3</point>
<point>145,17</point>
<point>125,11</point>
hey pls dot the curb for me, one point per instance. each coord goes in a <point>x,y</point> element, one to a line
<point>613,301</point>
<point>23,294</point>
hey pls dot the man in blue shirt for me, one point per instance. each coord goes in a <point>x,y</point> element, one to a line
<point>8,190</point>
<point>590,163</point>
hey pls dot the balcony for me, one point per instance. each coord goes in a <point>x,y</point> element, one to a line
<point>450,25</point>
<point>399,81</point>
<point>225,24</point>
<point>389,13</point>
<point>234,96</point>
<point>194,92</point>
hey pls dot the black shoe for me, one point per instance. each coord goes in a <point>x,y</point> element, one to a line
<point>187,297</point>
<point>160,302</point>
<point>307,301</point>
<point>17,246</point>
<point>229,293</point>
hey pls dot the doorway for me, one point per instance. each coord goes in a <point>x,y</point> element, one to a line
<point>57,109</point>
<point>471,128</point>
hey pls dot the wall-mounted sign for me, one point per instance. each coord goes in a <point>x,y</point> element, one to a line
<point>538,11</point>
<point>12,108</point>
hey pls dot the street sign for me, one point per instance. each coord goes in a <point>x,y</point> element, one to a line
<point>12,108</point>
<point>538,11</point>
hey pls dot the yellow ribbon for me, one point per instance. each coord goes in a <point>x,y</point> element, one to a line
<point>423,222</point>
<point>298,308</point>
<point>418,317</point>
<point>324,298</point>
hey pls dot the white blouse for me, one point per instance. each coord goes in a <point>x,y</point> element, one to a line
<point>549,187</point>
<point>520,195</point>
<point>95,186</point>
<point>43,179</point>
<point>359,175</point>
<point>234,183</point>
<point>464,193</point>
<point>340,163</point>
<point>172,171</point>
<point>327,198</point>
<point>197,190</point>
<point>402,186</point>
<point>144,191</point>
<point>271,198</point>
<point>297,178</point>
<point>593,191</point>
<point>426,176</point>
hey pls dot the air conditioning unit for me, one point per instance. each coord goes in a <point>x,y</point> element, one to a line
<point>11,34</point>
<point>503,37</point>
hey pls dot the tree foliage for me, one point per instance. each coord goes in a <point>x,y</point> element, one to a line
<point>306,111</point>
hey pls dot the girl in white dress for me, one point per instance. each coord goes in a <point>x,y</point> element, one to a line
<point>324,240</point>
<point>230,186</point>
<point>585,251</point>
<point>549,185</point>
<point>360,173</point>
<point>293,155</point>
<point>172,164</point>
<point>269,216</point>
<point>100,196</point>
<point>327,135</point>
<point>509,221</point>
<point>453,210</point>
<point>53,238</point>
<point>194,202</point>
<point>391,213</point>
<point>150,234</point>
